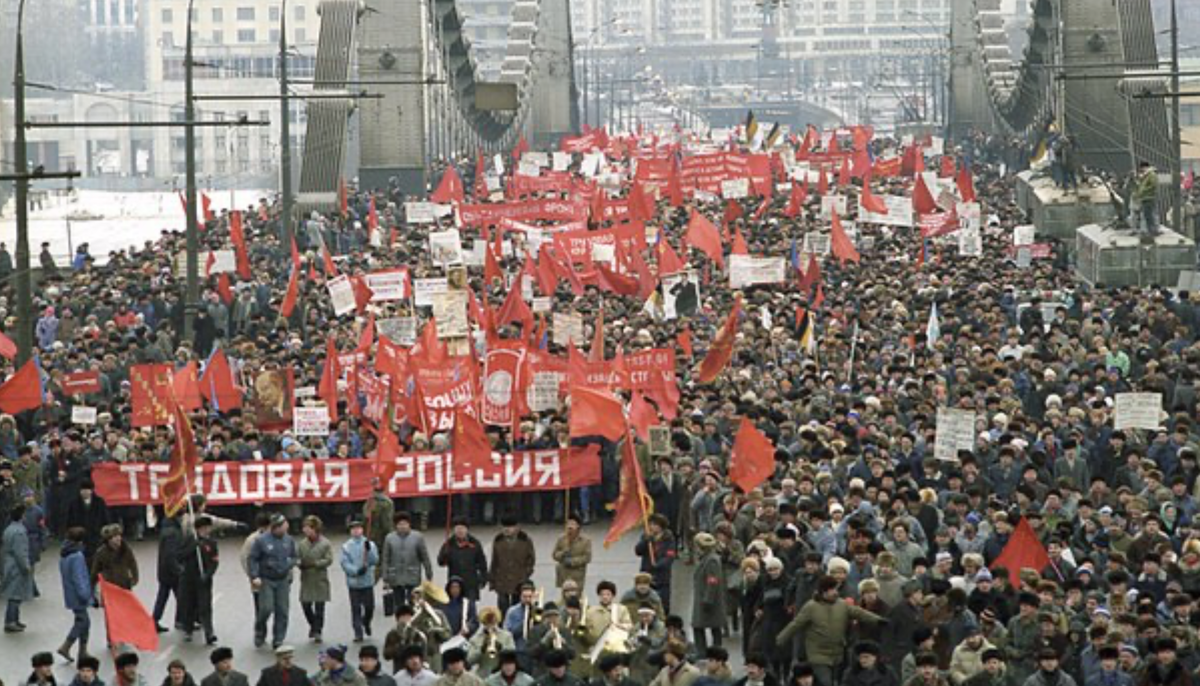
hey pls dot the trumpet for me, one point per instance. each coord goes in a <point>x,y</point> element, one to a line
<point>556,640</point>
<point>537,606</point>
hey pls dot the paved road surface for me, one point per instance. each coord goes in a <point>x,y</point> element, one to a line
<point>49,621</point>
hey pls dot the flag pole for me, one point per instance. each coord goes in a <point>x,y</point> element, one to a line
<point>853,349</point>
<point>641,491</point>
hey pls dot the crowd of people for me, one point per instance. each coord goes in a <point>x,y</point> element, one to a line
<point>863,560</point>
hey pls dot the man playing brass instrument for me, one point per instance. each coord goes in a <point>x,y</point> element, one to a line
<point>431,621</point>
<point>488,642</point>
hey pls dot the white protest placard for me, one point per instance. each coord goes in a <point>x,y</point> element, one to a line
<point>955,432</point>
<point>445,247</point>
<point>543,392</point>
<point>562,160</point>
<point>681,294</point>
<point>450,311</point>
<point>528,169</point>
<point>606,253</point>
<point>817,243</point>
<point>475,256</point>
<point>568,328</point>
<point>746,270</point>
<point>305,392</point>
<point>223,262</point>
<point>1024,257</point>
<point>900,212</point>
<point>425,289</point>
<point>388,285</point>
<point>82,414</point>
<point>970,242</point>
<point>341,294</point>
<point>498,164</point>
<point>310,421</point>
<point>937,145</point>
<point>536,157</point>
<point>399,330</point>
<point>830,203</point>
<point>591,164</point>
<point>735,189</point>
<point>542,304</point>
<point>421,212</point>
<point>1026,234</point>
<point>1137,411</point>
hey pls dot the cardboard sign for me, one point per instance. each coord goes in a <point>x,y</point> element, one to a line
<point>425,289</point>
<point>399,330</point>
<point>745,270</point>
<point>81,383</point>
<point>660,440</point>
<point>223,262</point>
<point>543,392</point>
<point>955,432</point>
<point>830,203</point>
<point>388,285</point>
<point>450,311</point>
<point>425,212</point>
<point>341,294</point>
<point>568,328</point>
<point>1137,411</point>
<point>735,189</point>
<point>445,247</point>
<point>310,421</point>
<point>82,414</point>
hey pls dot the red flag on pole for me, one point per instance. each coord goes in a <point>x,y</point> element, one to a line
<point>471,447</point>
<point>343,197</point>
<point>871,202</point>
<point>238,237</point>
<point>596,413</point>
<point>753,458</point>
<point>923,202</point>
<point>327,390</point>
<point>668,259</point>
<point>293,293</point>
<point>596,351</point>
<point>704,236</point>
<point>739,246</point>
<point>176,484</point>
<point>966,184</point>
<point>631,508</point>
<point>185,383</point>
<point>515,309</point>
<point>126,618</point>
<point>206,206</point>
<point>216,384</point>
<point>840,244</point>
<point>23,390</point>
<point>721,350</point>
<point>642,416</point>
<point>684,340</point>
<point>1022,551</point>
<point>8,349</point>
<point>450,189</point>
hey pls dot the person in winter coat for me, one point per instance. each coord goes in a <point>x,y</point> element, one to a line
<point>676,671</point>
<point>1048,672</point>
<point>115,560</point>
<point>378,515</point>
<point>372,668</point>
<point>967,658</point>
<point>757,674</point>
<point>359,559</point>
<point>283,672</point>
<point>995,674</point>
<point>905,618</point>
<point>462,555</point>
<point>405,562</point>
<point>43,670</point>
<point>461,613</point>
<point>87,672</point>
<point>927,673</point>
<point>170,541</point>
<point>513,559</point>
<point>657,550</point>
<point>223,673</point>
<point>199,559</point>
<point>315,555</point>
<point>573,554</point>
<point>335,671</point>
<point>1109,673</point>
<point>825,621</point>
<point>16,572</point>
<point>510,673</point>
<point>867,669</point>
<point>89,511</point>
<point>669,492</point>
<point>771,612</point>
<point>177,675</point>
<point>1166,669</point>
<point>708,595</point>
<point>77,592</point>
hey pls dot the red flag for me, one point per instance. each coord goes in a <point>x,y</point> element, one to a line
<point>293,293</point>
<point>684,340</point>
<point>362,293</point>
<point>185,384</point>
<point>839,243</point>
<point>966,184</point>
<point>327,389</point>
<point>668,259</point>
<point>330,268</point>
<point>8,349</point>
<point>23,390</point>
<point>834,146</point>
<point>844,173</point>
<point>238,237</point>
<point>343,197</point>
<point>923,202</point>
<point>126,618</point>
<point>386,451</point>
<point>596,352</point>
<point>450,189</point>
<point>871,202</point>
<point>206,205</point>
<point>812,274</point>
<point>481,190</point>
<point>372,218</point>
<point>642,416</point>
<point>295,255</point>
<point>547,277</point>
<point>366,337</point>
<point>430,349</point>
<point>491,266</point>
<point>721,350</point>
<point>733,212</point>
<point>753,458</point>
<point>674,188</point>
<point>739,246</point>
<point>1023,551</point>
<point>862,164</point>
<point>176,485</point>
<point>514,309</point>
<point>796,199</point>
<point>947,170</point>
<point>596,412</point>
<point>209,263</point>
<point>150,391</point>
<point>631,508</point>
<point>703,235</point>
<point>471,447</point>
<point>520,148</point>
<point>216,384</point>
<point>182,202</point>
<point>224,288</point>
<point>823,184</point>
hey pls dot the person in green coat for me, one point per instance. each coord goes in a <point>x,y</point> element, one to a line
<point>378,513</point>
<point>708,596</point>
<point>825,621</point>
<point>316,555</point>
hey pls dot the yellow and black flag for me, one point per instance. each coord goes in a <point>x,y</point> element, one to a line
<point>772,137</point>
<point>751,125</point>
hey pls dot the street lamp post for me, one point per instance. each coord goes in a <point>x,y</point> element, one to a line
<point>21,151</point>
<point>192,294</point>
<point>285,132</point>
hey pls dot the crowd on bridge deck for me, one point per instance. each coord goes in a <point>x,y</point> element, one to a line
<point>862,560</point>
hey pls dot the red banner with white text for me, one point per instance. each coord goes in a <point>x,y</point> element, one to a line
<point>243,483</point>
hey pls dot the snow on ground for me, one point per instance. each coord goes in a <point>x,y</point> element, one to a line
<point>108,221</point>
